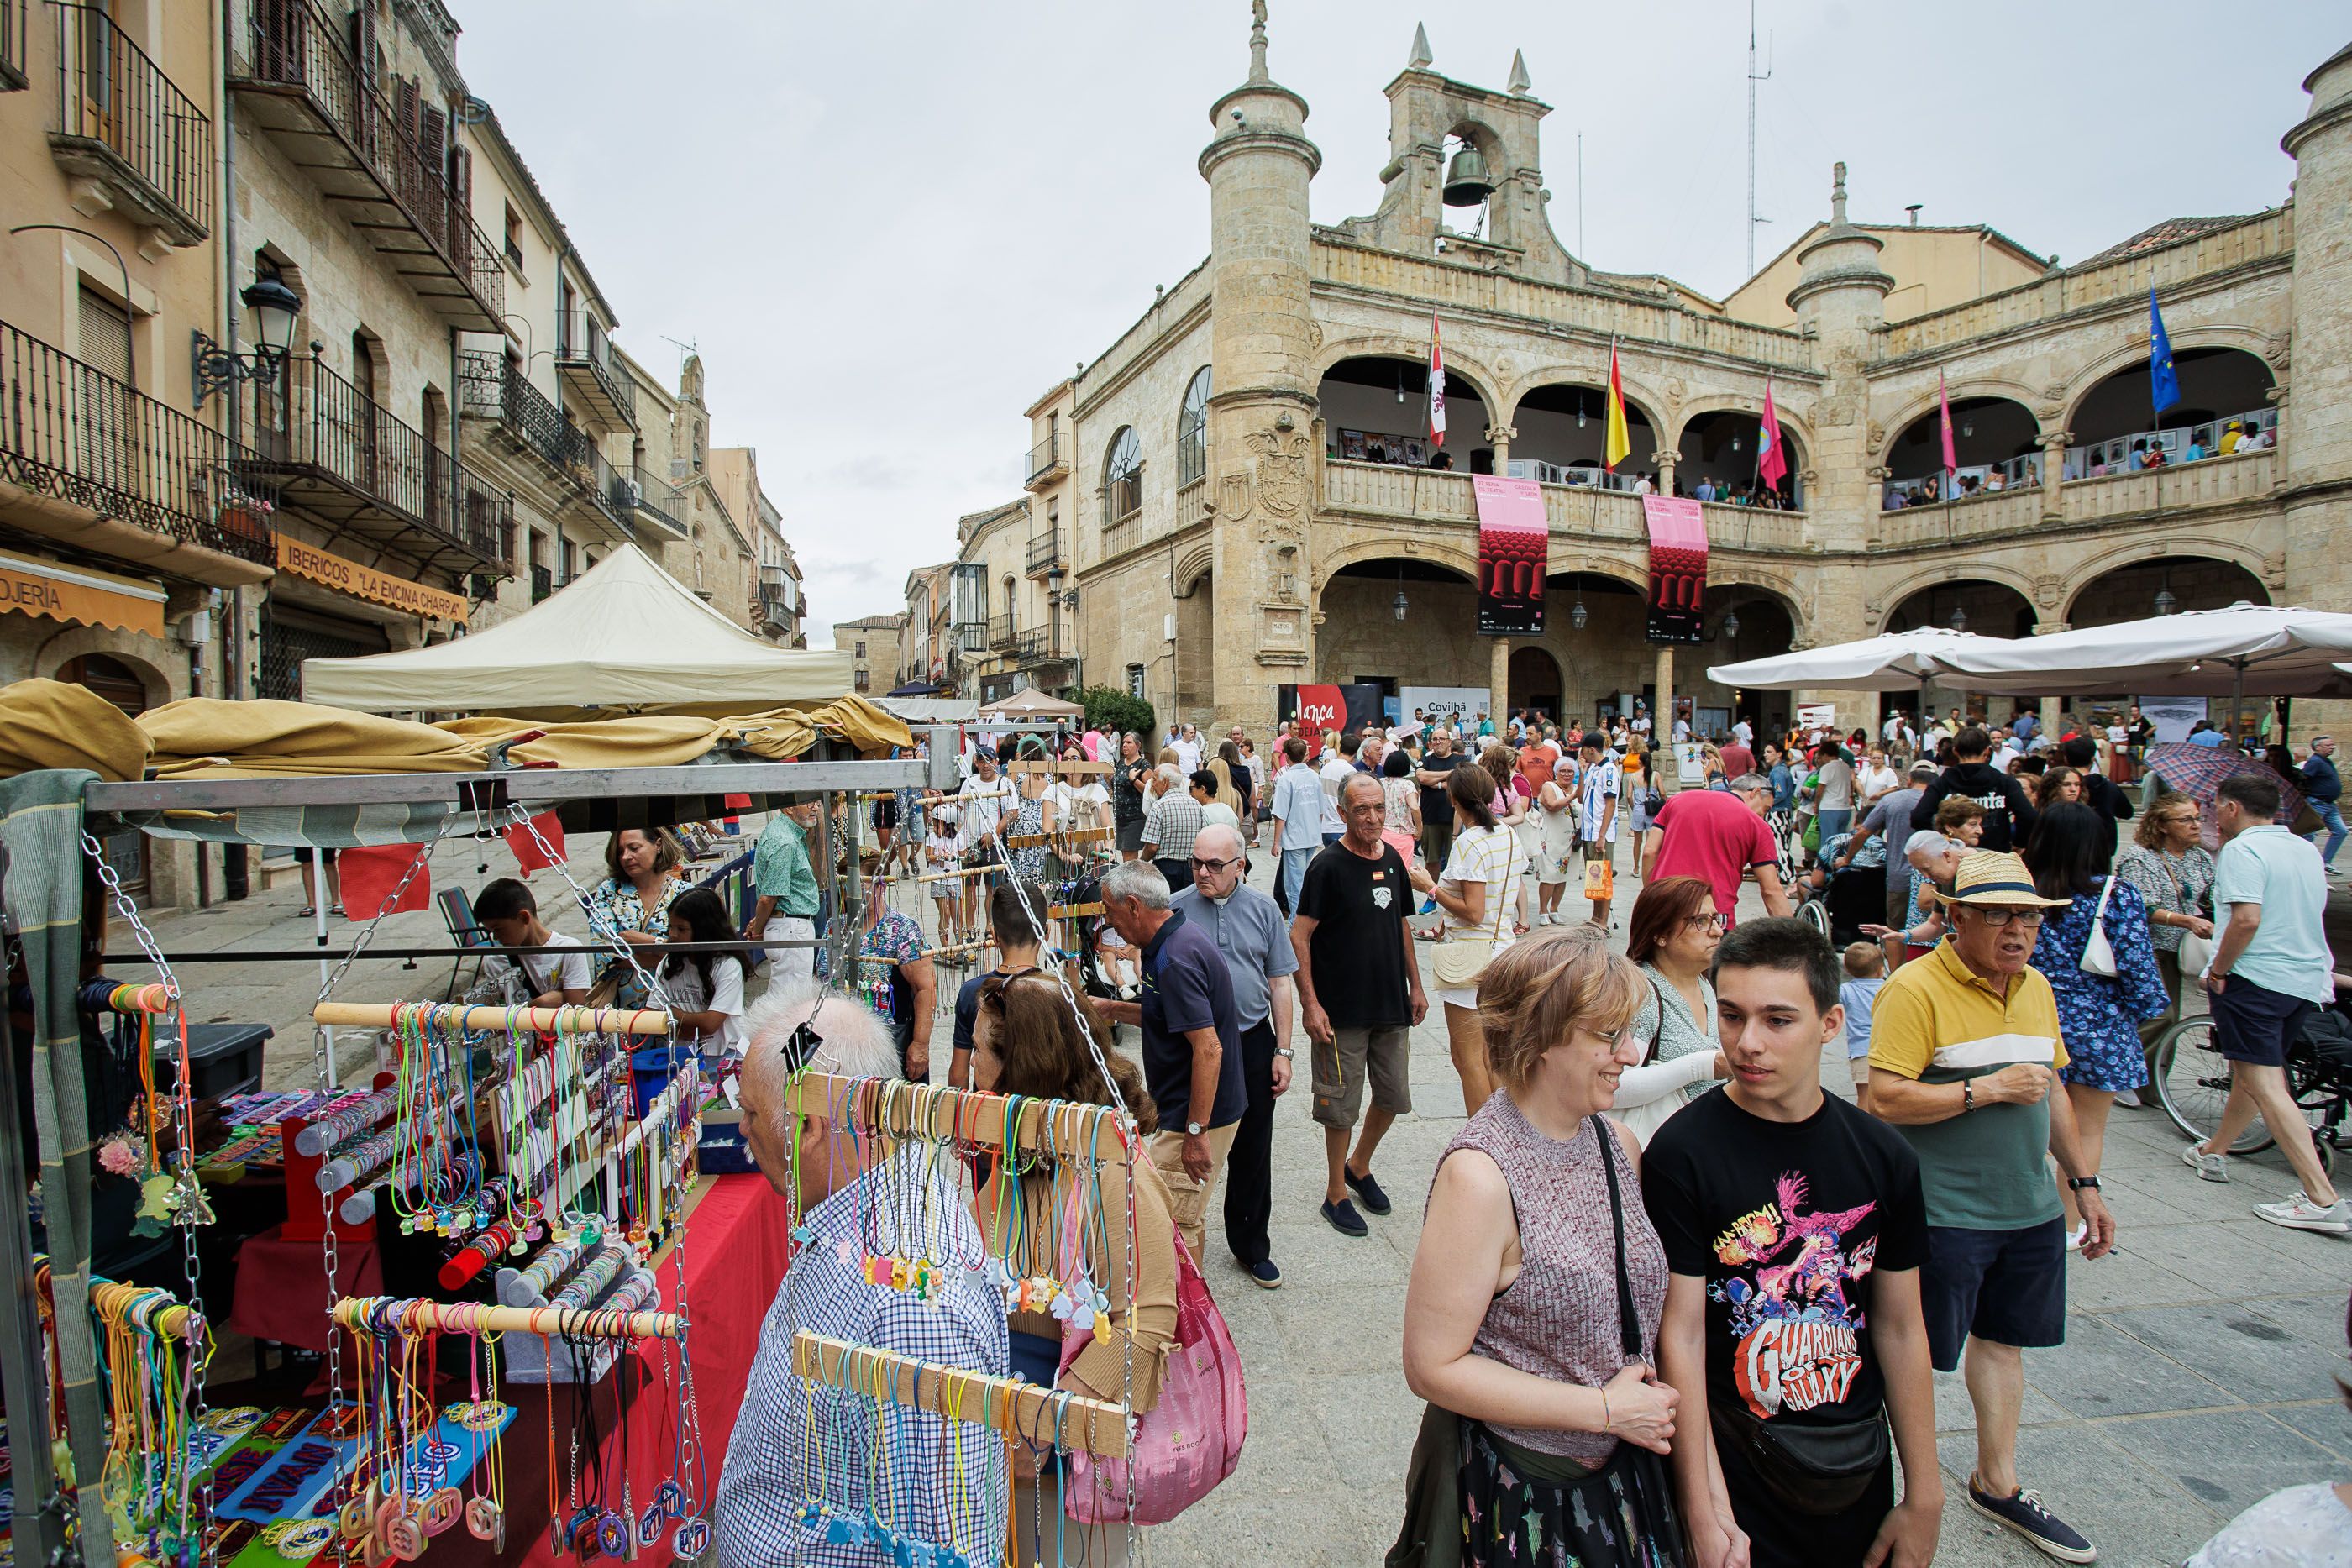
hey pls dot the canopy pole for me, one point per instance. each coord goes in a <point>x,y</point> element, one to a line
<point>2237,700</point>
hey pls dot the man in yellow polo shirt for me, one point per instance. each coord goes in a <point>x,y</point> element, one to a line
<point>1964,1053</point>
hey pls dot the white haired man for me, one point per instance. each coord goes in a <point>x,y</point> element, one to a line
<point>815,1161</point>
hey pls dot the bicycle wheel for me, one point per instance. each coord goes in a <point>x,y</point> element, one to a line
<point>2192,1079</point>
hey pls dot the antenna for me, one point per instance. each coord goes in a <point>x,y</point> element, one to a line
<point>1581,253</point>
<point>1754,217</point>
<point>692,346</point>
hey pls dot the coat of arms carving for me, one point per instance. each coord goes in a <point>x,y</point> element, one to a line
<point>1282,474</point>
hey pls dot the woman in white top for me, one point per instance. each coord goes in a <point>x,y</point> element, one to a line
<point>1671,936</point>
<point>705,989</point>
<point>1516,812</point>
<point>1474,896</point>
<point>1556,849</point>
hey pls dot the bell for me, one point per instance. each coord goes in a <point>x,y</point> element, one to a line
<point>1466,183</point>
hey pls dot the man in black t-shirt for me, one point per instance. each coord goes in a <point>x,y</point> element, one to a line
<point>1436,811</point>
<point>1794,1227</point>
<point>1359,989</point>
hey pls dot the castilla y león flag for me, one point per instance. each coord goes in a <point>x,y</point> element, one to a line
<point>1513,542</point>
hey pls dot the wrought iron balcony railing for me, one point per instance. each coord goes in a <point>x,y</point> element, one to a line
<point>492,387</point>
<point>12,44</point>
<point>380,158</point>
<point>121,121</point>
<point>659,499</point>
<point>1045,551</point>
<point>1045,461</point>
<point>76,434</point>
<point>1041,645</point>
<point>341,454</point>
<point>1002,633</point>
<point>584,358</point>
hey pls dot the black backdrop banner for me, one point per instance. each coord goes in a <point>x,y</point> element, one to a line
<point>1314,710</point>
<point>1513,540</point>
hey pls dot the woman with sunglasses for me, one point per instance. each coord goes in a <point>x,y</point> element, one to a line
<point>1671,936</point>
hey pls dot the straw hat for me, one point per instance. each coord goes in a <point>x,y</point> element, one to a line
<point>1993,876</point>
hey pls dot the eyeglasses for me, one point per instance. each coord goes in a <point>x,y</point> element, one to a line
<point>1706,922</point>
<point>1996,918</point>
<point>1200,865</point>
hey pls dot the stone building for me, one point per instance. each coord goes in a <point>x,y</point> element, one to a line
<point>777,607</point>
<point>299,361</point>
<point>1243,477</point>
<point>872,644</point>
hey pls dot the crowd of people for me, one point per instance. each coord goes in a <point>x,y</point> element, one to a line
<point>1673,1301</point>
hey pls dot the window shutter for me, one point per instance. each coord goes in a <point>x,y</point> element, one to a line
<point>461,204</point>
<point>407,102</point>
<point>432,186</point>
<point>105,336</point>
<point>363,49</point>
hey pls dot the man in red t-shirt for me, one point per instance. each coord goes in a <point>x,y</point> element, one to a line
<point>1720,836</point>
<point>1737,759</point>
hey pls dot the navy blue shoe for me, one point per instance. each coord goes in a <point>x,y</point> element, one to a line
<point>2022,1511</point>
<point>1265,1275</point>
<point>1345,1219</point>
<point>1375,1200</point>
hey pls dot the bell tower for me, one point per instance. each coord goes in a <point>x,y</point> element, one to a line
<point>1263,461</point>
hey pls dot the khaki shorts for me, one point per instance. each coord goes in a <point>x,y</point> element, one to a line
<point>1381,1054</point>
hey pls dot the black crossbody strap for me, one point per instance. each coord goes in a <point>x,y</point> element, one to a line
<point>1629,1324</point>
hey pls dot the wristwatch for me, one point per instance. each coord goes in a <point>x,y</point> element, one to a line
<point>2077,1184</point>
<point>1193,1129</point>
<point>1285,1052</point>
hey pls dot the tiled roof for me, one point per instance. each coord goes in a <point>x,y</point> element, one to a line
<point>2169,232</point>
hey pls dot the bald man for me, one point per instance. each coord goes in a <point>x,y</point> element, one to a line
<point>1249,931</point>
<point>758,1520</point>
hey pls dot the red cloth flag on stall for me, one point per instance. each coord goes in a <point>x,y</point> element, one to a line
<point>370,875</point>
<point>1615,445</point>
<point>1770,465</point>
<point>527,853</point>
<point>1944,417</point>
<point>1436,385</point>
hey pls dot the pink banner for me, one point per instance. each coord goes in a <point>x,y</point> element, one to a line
<point>1677,566</point>
<point>1514,545</point>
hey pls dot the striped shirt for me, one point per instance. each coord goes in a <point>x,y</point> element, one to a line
<point>775,1466</point>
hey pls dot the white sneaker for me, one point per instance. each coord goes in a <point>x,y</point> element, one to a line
<point>2299,1213</point>
<point>2128,1098</point>
<point>2211,1167</point>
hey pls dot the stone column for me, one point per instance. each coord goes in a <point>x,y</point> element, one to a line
<point>1661,719</point>
<point>1666,461</point>
<point>2314,433</point>
<point>1499,437</point>
<point>2053,465</point>
<point>1499,679</point>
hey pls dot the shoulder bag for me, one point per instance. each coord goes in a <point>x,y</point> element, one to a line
<point>2196,952</point>
<point>2098,953</point>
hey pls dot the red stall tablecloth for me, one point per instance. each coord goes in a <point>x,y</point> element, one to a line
<point>281,1286</point>
<point>737,1242</point>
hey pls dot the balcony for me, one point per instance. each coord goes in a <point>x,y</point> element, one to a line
<point>774,611</point>
<point>542,583</point>
<point>1576,511</point>
<point>1001,633</point>
<point>1045,554</point>
<point>1046,462</point>
<point>660,502</point>
<point>385,170</point>
<point>345,459</point>
<point>12,44</point>
<point>968,637</point>
<point>1041,645</point>
<point>2249,480</point>
<point>124,128</point>
<point>85,458</point>
<point>492,388</point>
<point>584,358</point>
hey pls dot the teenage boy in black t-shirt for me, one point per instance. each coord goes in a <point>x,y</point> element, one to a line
<point>1794,1229</point>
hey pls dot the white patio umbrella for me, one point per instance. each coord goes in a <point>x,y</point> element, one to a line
<point>2280,651</point>
<point>1917,654</point>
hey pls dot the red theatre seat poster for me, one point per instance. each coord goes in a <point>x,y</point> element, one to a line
<point>1513,542</point>
<point>1677,566</point>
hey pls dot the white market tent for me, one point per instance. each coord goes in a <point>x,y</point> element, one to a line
<point>2270,651</point>
<point>1874,662</point>
<point>626,634</point>
<point>1031,702</point>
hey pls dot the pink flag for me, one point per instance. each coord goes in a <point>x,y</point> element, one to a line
<point>1770,465</point>
<point>1944,414</point>
<point>1436,385</point>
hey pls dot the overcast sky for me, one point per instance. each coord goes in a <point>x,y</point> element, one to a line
<point>890,226</point>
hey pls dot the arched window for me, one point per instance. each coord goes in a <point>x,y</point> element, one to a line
<point>1122,477</point>
<point>1192,430</point>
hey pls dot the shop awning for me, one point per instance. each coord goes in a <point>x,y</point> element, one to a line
<point>626,636</point>
<point>80,596</point>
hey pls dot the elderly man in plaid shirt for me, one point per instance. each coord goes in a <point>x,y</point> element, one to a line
<point>798,1443</point>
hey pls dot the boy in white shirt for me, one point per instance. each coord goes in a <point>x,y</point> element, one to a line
<point>506,909</point>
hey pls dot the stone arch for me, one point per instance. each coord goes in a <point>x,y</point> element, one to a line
<point>2185,552</point>
<point>1753,583</point>
<point>1885,602</point>
<point>1557,573</point>
<point>146,657</point>
<point>2092,375</point>
<point>1447,556</point>
<point>1191,567</point>
<point>1535,677</point>
<point>1910,412</point>
<point>1638,393</point>
<point>1732,402</point>
<point>1459,367</point>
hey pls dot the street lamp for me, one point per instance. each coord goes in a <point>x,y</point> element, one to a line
<point>274,308</point>
<point>1575,616</point>
<point>1400,605</point>
<point>1731,623</point>
<point>2165,603</point>
<point>1959,622</point>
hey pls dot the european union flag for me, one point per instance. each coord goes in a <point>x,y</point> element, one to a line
<point>2163,382</point>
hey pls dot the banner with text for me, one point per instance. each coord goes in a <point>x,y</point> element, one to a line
<point>1314,710</point>
<point>1677,566</point>
<point>1456,705</point>
<point>1514,541</point>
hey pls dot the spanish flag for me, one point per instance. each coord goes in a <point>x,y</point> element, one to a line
<point>1614,442</point>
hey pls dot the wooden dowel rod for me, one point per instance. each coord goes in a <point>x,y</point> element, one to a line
<point>1038,1415</point>
<point>357,1312</point>
<point>930,1111</point>
<point>950,875</point>
<point>541,1020</point>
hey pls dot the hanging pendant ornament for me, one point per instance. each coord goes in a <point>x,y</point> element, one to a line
<point>691,1539</point>
<point>443,1508</point>
<point>483,1520</point>
<point>306,1539</point>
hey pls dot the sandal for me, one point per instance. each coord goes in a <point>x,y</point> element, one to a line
<point>1519,928</point>
<point>308,911</point>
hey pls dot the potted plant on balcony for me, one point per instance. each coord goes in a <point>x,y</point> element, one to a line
<point>245,516</point>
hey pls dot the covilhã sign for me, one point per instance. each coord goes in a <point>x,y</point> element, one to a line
<point>347,576</point>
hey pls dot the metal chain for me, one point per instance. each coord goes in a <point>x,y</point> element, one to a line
<point>625,951</point>
<point>391,902</point>
<point>192,1260</point>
